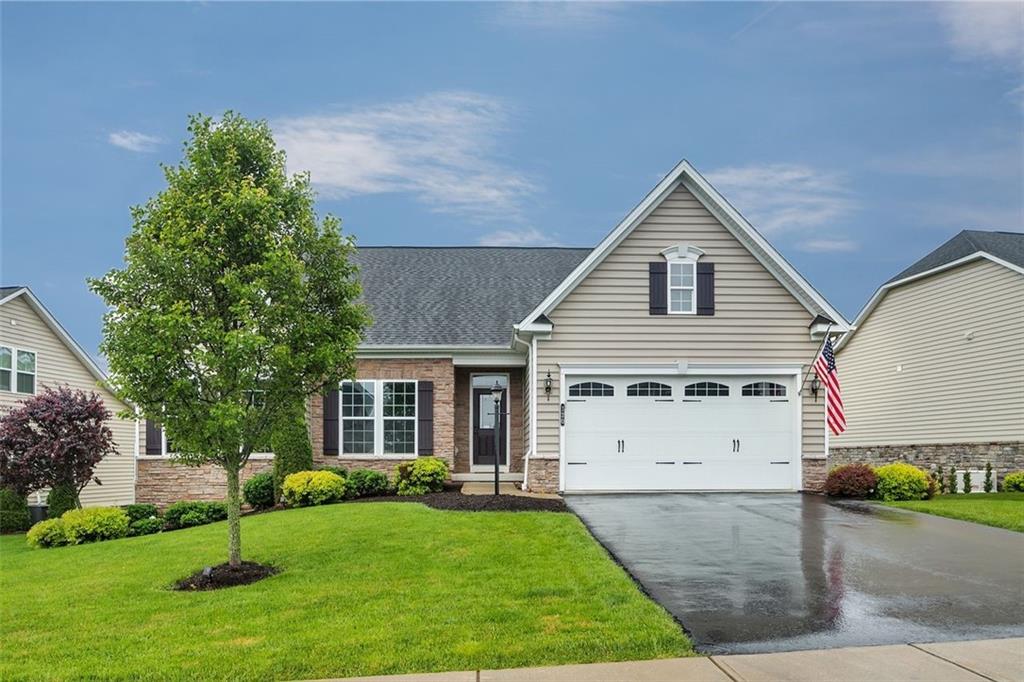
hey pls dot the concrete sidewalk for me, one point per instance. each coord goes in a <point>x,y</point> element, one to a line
<point>995,660</point>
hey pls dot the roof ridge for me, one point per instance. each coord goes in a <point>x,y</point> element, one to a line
<point>469,246</point>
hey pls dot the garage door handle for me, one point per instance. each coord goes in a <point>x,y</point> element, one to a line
<point>574,463</point>
<point>664,462</point>
<point>780,462</point>
<point>693,462</point>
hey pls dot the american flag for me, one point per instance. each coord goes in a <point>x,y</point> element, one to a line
<point>825,367</point>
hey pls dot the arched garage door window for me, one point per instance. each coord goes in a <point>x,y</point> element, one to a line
<point>704,389</point>
<point>764,389</point>
<point>649,389</point>
<point>589,389</point>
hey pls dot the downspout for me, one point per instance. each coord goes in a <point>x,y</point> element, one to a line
<point>531,349</point>
<point>135,456</point>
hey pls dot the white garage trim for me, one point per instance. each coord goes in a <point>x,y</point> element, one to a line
<point>677,369</point>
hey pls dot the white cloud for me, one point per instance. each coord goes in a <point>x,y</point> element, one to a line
<point>790,199</point>
<point>134,141</point>
<point>525,237</point>
<point>560,16</point>
<point>441,148</point>
<point>828,245</point>
<point>985,30</point>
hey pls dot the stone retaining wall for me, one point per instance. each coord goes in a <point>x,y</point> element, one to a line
<point>1004,457</point>
<point>542,475</point>
<point>162,482</point>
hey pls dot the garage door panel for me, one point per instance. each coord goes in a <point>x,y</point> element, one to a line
<point>709,436</point>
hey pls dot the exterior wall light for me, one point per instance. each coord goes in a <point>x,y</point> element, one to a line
<point>547,384</point>
<point>815,386</point>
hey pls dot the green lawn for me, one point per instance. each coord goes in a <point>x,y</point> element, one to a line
<point>365,589</point>
<point>1003,510</point>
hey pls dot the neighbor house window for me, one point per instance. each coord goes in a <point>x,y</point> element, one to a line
<point>589,389</point>
<point>378,418</point>
<point>703,389</point>
<point>682,278</point>
<point>649,389</point>
<point>764,389</point>
<point>17,370</point>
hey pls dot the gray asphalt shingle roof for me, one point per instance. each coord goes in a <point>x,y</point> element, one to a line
<point>7,291</point>
<point>456,296</point>
<point>1008,246</point>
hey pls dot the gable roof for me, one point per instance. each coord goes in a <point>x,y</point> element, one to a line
<point>1004,248</point>
<point>1007,246</point>
<point>456,296</point>
<point>11,293</point>
<point>686,175</point>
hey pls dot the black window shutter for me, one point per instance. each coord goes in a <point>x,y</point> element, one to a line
<point>425,417</point>
<point>154,436</point>
<point>331,404</point>
<point>658,277</point>
<point>705,288</point>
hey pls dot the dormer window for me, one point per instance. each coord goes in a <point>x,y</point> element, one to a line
<point>682,278</point>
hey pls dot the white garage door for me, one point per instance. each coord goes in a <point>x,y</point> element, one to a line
<point>680,433</point>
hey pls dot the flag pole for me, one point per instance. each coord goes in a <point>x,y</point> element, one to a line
<point>824,340</point>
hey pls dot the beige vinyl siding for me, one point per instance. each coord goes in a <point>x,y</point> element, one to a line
<point>950,389</point>
<point>606,319</point>
<point>56,365</point>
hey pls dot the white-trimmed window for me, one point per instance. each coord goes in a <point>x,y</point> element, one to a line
<point>378,418</point>
<point>17,370</point>
<point>764,389</point>
<point>682,278</point>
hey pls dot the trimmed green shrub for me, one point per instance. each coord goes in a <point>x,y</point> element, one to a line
<point>951,482</point>
<point>851,480</point>
<point>309,488</point>
<point>366,483</point>
<point>901,481</point>
<point>137,512</point>
<point>258,491</point>
<point>940,478</point>
<point>292,449</point>
<point>14,514</point>
<point>340,471</point>
<point>987,487</point>
<point>48,533</point>
<point>186,514</point>
<point>421,476</point>
<point>1013,482</point>
<point>146,526</point>
<point>94,524</point>
<point>967,482</point>
<point>61,498</point>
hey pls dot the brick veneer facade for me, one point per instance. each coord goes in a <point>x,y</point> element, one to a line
<point>462,415</point>
<point>542,476</point>
<point>814,472</point>
<point>162,482</point>
<point>439,371</point>
<point>1004,457</point>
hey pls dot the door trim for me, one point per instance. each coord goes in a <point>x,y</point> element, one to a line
<point>484,468</point>
<point>682,367</point>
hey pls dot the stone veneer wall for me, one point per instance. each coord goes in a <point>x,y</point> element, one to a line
<point>1004,457</point>
<point>462,415</point>
<point>542,475</point>
<point>814,472</point>
<point>162,482</point>
<point>440,371</point>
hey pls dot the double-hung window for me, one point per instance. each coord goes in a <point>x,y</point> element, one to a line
<point>378,418</point>
<point>17,370</point>
<point>682,278</point>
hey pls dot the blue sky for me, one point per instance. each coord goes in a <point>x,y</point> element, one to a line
<point>856,137</point>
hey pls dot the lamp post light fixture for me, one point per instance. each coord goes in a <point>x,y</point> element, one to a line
<point>496,393</point>
<point>547,385</point>
<point>815,386</point>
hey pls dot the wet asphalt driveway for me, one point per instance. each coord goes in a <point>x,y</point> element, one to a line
<point>777,572</point>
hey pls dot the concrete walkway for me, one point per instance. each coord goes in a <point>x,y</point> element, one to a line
<point>995,660</point>
<point>484,488</point>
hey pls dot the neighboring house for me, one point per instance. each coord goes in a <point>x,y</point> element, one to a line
<point>934,372</point>
<point>670,357</point>
<point>37,352</point>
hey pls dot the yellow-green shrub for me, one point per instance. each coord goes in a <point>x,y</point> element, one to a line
<point>95,523</point>
<point>1014,482</point>
<point>902,481</point>
<point>421,476</point>
<point>308,488</point>
<point>48,533</point>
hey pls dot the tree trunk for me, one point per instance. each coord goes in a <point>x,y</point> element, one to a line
<point>234,517</point>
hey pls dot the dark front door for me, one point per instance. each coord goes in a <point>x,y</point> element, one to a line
<point>484,423</point>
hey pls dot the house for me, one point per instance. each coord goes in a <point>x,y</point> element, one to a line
<point>37,352</point>
<point>673,356</point>
<point>934,372</point>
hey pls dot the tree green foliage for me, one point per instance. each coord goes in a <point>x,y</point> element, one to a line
<point>187,513</point>
<point>61,498</point>
<point>140,511</point>
<point>951,482</point>
<point>14,514</point>
<point>292,449</point>
<point>1014,482</point>
<point>988,477</point>
<point>366,483</point>
<point>234,304</point>
<point>940,479</point>
<point>967,481</point>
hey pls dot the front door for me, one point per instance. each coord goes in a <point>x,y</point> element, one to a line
<point>484,424</point>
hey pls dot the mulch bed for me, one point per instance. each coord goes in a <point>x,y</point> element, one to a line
<point>454,500</point>
<point>223,575</point>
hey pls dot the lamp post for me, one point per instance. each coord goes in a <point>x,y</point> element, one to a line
<point>496,392</point>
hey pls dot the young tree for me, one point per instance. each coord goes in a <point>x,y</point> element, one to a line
<point>234,304</point>
<point>55,439</point>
